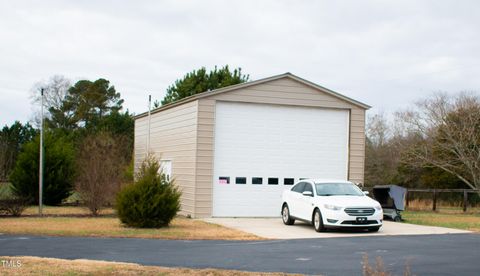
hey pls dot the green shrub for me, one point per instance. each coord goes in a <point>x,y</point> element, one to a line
<point>151,201</point>
<point>58,170</point>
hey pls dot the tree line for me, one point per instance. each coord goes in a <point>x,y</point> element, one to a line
<point>433,144</point>
<point>88,138</point>
<point>82,121</point>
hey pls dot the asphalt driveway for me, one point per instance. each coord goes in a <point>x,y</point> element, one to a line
<point>273,228</point>
<point>455,254</point>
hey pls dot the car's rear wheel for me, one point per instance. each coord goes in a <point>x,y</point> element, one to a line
<point>287,219</point>
<point>317,221</point>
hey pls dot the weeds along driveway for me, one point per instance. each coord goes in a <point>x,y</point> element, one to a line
<point>273,228</point>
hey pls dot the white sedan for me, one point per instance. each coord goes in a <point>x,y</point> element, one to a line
<point>330,204</point>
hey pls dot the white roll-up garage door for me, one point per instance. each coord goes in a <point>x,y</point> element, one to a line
<point>260,149</point>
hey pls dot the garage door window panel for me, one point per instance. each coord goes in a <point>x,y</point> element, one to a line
<point>240,180</point>
<point>288,181</point>
<point>272,181</point>
<point>257,180</point>
<point>224,180</point>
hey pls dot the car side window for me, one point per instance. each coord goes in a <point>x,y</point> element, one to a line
<point>299,187</point>
<point>308,188</point>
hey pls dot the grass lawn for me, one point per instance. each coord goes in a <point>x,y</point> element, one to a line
<point>49,266</point>
<point>446,217</point>
<point>75,221</point>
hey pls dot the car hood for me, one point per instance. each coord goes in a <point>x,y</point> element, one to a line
<point>348,201</point>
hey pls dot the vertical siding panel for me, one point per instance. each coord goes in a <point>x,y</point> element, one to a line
<point>357,145</point>
<point>205,146</point>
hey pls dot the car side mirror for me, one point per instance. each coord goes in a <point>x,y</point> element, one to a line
<point>307,193</point>
<point>366,192</point>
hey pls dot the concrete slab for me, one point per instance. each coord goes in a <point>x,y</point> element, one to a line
<point>273,228</point>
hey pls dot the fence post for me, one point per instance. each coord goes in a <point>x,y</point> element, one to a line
<point>434,208</point>
<point>465,200</point>
<point>407,199</point>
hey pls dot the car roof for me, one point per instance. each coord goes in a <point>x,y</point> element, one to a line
<point>321,180</point>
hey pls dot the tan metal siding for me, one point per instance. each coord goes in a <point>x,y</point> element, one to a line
<point>140,142</point>
<point>282,91</point>
<point>173,136</point>
<point>205,139</point>
<point>357,144</point>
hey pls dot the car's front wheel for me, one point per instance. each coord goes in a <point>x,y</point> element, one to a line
<point>287,219</point>
<point>317,221</point>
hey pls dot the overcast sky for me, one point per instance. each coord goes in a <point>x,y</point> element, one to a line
<point>384,53</point>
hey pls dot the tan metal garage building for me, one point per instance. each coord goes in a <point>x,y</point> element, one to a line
<point>235,149</point>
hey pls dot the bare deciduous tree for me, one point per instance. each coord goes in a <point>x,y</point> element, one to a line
<point>381,150</point>
<point>377,129</point>
<point>447,134</point>
<point>55,92</point>
<point>100,165</point>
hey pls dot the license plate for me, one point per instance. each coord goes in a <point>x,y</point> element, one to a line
<point>362,220</point>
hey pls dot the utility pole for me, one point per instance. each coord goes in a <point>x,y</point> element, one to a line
<point>40,166</point>
<point>149,119</point>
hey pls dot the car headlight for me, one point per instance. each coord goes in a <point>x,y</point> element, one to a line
<point>332,207</point>
<point>378,207</point>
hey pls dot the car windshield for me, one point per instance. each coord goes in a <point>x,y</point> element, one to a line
<point>335,189</point>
